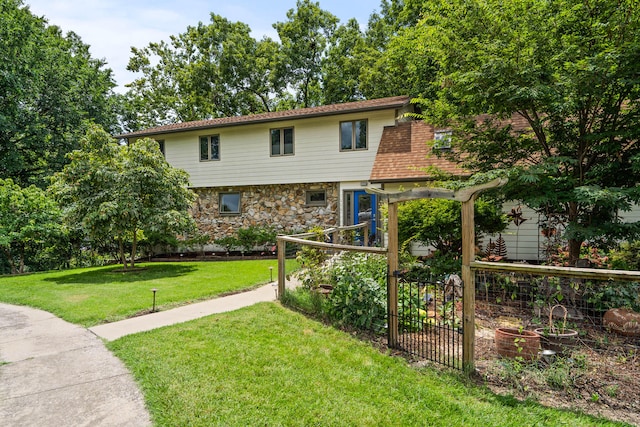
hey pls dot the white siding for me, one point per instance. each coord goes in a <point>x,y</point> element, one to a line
<point>522,242</point>
<point>245,152</point>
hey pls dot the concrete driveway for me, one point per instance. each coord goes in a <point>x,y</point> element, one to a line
<point>54,373</point>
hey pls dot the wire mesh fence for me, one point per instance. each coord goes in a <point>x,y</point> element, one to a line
<point>569,314</point>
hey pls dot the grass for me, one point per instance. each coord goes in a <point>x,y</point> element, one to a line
<point>266,365</point>
<point>92,296</point>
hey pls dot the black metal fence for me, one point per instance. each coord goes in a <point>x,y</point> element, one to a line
<point>430,318</point>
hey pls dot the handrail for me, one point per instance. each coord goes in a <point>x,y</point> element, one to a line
<point>333,230</point>
<point>370,249</point>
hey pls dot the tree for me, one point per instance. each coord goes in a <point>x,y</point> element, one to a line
<point>305,39</point>
<point>211,70</point>
<point>341,69</point>
<point>49,84</point>
<point>438,222</point>
<point>570,71</point>
<point>30,222</point>
<point>120,192</point>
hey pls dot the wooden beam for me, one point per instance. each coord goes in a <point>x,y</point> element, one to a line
<point>551,270</point>
<point>462,195</point>
<point>282,257</point>
<point>313,243</point>
<point>392,276</point>
<point>468,280</point>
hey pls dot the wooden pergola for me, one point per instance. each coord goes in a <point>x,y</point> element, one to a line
<point>467,197</point>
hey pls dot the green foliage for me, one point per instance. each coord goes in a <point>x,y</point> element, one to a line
<point>359,291</point>
<point>305,37</point>
<point>310,303</point>
<point>311,260</point>
<point>254,236</point>
<point>228,243</point>
<point>604,296</point>
<point>569,71</point>
<point>119,193</point>
<point>49,85</point>
<point>210,70</point>
<point>31,232</point>
<point>438,222</point>
<point>626,257</point>
<point>440,264</point>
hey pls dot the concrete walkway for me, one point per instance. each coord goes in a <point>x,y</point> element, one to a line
<point>115,330</point>
<point>54,373</point>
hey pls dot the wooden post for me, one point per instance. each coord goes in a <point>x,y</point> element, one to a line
<point>392,277</point>
<point>282,257</point>
<point>468,279</point>
<point>365,234</point>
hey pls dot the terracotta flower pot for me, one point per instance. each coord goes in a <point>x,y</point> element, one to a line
<point>512,343</point>
<point>622,321</point>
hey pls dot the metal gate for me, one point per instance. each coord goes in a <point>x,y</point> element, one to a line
<point>430,318</point>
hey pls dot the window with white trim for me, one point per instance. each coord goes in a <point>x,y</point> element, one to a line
<point>209,148</point>
<point>442,139</point>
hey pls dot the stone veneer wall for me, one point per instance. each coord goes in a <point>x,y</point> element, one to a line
<point>282,207</point>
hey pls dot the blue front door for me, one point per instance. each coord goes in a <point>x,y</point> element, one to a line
<point>364,206</point>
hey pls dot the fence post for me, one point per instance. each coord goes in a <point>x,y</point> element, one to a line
<point>282,256</point>
<point>392,276</point>
<point>468,279</point>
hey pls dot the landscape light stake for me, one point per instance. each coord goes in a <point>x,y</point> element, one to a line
<point>271,273</point>
<point>154,290</point>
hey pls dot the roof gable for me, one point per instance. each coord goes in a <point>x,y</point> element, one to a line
<point>404,155</point>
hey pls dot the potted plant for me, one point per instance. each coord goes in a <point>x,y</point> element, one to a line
<point>558,339</point>
<point>517,342</point>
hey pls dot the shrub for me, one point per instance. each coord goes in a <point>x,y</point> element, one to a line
<point>626,257</point>
<point>359,291</point>
<point>358,302</point>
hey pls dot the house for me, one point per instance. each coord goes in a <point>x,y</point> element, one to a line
<point>297,169</point>
<point>292,170</point>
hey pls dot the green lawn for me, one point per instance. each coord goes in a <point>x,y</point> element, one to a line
<point>263,365</point>
<point>266,365</point>
<point>96,295</point>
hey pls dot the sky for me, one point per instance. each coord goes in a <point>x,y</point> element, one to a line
<point>112,27</point>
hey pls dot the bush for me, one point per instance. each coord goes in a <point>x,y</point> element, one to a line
<point>627,257</point>
<point>359,291</point>
<point>358,302</point>
<point>608,295</point>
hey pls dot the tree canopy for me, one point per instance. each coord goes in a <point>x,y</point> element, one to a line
<point>119,193</point>
<point>30,222</point>
<point>211,70</point>
<point>569,70</point>
<point>217,69</point>
<point>49,85</point>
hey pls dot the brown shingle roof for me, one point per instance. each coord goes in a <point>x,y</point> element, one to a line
<point>403,154</point>
<point>325,110</point>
